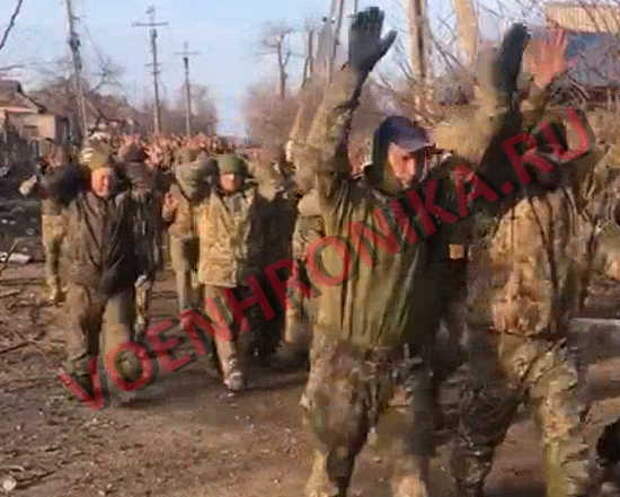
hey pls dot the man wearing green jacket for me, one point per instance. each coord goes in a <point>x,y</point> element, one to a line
<point>379,301</point>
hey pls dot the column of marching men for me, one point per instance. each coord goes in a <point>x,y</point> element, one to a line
<point>428,242</point>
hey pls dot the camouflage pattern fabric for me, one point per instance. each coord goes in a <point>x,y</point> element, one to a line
<point>54,231</point>
<point>352,392</point>
<point>509,370</point>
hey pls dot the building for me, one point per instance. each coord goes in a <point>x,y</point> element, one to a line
<point>593,45</point>
<point>29,119</point>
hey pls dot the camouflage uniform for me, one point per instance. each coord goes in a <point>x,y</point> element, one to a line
<point>301,311</point>
<point>371,360</point>
<point>183,246</point>
<point>231,234</point>
<point>53,231</point>
<point>526,280</point>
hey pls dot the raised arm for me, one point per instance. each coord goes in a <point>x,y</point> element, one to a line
<point>329,134</point>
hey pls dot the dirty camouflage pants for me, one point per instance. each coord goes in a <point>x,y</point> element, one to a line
<point>184,258</point>
<point>233,338</point>
<point>53,234</point>
<point>93,317</point>
<point>351,392</point>
<point>143,292</point>
<point>505,371</point>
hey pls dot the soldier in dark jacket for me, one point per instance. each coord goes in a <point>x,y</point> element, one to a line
<point>103,266</point>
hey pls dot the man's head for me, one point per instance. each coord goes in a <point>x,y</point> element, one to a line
<point>103,181</point>
<point>404,150</point>
<point>232,172</point>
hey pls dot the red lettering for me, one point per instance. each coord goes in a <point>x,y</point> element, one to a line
<point>221,328</point>
<point>97,401</point>
<point>163,347</point>
<point>192,322</point>
<point>429,203</point>
<point>462,175</point>
<point>529,157</point>
<point>417,205</point>
<point>257,296</point>
<point>314,260</point>
<point>284,288</point>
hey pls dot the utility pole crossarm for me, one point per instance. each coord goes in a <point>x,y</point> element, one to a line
<point>153,25</point>
<point>74,45</point>
<point>186,54</point>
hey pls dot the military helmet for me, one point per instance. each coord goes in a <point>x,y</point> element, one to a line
<point>231,164</point>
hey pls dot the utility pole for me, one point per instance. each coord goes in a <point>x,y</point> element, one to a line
<point>309,62</point>
<point>186,54</point>
<point>356,6</point>
<point>153,25</point>
<point>74,44</point>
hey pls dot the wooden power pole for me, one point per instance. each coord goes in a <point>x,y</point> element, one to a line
<point>153,25</point>
<point>186,54</point>
<point>74,44</point>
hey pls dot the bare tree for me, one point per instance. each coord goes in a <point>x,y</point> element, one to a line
<point>9,28</point>
<point>275,41</point>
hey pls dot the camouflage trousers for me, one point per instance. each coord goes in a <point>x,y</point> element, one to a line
<point>233,338</point>
<point>184,258</point>
<point>143,294</point>
<point>505,371</point>
<point>53,234</point>
<point>351,393</point>
<point>300,312</point>
<point>95,318</point>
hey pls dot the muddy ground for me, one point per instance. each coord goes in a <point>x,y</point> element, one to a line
<point>186,437</point>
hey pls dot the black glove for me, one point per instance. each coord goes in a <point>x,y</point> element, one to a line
<point>509,58</point>
<point>366,47</point>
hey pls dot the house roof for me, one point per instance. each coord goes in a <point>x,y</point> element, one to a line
<point>597,57</point>
<point>12,95</point>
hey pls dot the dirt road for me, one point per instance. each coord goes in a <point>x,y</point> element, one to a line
<point>185,436</point>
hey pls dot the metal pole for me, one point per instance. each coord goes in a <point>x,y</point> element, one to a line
<point>74,44</point>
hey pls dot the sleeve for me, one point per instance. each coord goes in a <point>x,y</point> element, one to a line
<point>326,145</point>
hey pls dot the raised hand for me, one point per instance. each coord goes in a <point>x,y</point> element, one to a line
<point>547,57</point>
<point>366,47</point>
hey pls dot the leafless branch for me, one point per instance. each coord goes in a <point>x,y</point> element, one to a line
<point>9,28</point>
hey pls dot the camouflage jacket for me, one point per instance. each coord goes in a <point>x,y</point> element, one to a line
<point>530,274</point>
<point>372,268</point>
